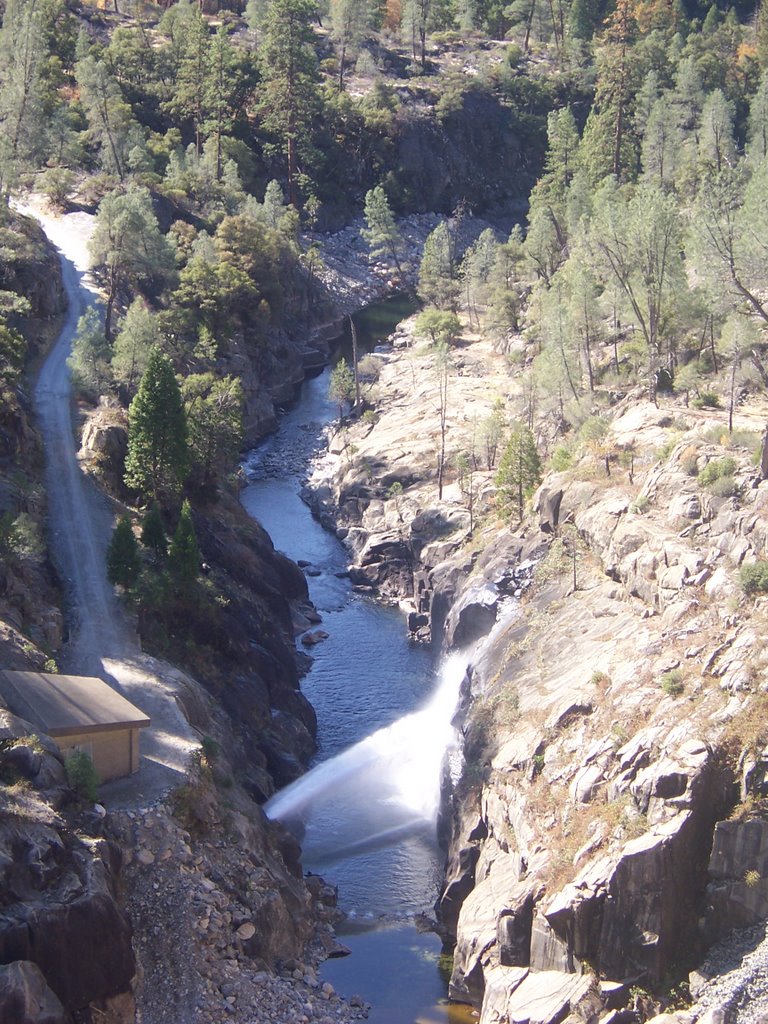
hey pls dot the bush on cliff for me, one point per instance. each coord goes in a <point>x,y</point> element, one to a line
<point>753,577</point>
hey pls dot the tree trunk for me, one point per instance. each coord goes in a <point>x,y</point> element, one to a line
<point>111,295</point>
<point>354,361</point>
<point>342,60</point>
<point>292,170</point>
<point>529,26</point>
<point>732,398</point>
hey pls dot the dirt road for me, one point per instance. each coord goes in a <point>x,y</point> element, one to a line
<point>101,641</point>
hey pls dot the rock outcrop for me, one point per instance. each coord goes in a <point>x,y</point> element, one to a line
<point>604,708</point>
<point>60,909</point>
<point>25,997</point>
<point>737,895</point>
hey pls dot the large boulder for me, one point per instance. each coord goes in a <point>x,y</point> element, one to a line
<point>25,997</point>
<point>472,616</point>
<point>546,997</point>
<point>494,925</point>
<point>59,911</point>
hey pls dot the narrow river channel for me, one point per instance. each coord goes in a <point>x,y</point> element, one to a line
<point>365,817</point>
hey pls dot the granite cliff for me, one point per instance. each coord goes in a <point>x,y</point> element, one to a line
<point>617,718</point>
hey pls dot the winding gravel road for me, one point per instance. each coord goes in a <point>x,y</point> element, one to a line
<point>101,640</point>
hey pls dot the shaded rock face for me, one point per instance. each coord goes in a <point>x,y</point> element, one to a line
<point>472,616</point>
<point>256,675</point>
<point>634,903</point>
<point>271,372</point>
<point>634,915</point>
<point>737,895</point>
<point>632,911</point>
<point>59,911</point>
<point>36,273</point>
<point>442,162</point>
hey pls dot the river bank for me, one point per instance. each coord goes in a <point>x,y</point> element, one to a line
<point>569,839</point>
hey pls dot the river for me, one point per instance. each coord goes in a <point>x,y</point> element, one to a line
<point>366,817</point>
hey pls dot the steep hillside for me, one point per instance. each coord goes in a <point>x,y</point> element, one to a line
<point>31,624</point>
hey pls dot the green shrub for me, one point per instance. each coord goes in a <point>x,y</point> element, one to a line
<point>707,400</point>
<point>599,678</point>
<point>641,504</point>
<point>562,458</point>
<point>749,439</point>
<point>716,469</point>
<point>753,577</point>
<point>81,775</point>
<point>723,487</point>
<point>672,682</point>
<point>668,447</point>
<point>57,183</point>
<point>593,429</point>
<point>210,748</point>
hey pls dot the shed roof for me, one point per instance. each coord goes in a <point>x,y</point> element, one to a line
<point>67,705</point>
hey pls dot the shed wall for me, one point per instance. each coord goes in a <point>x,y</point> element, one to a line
<point>114,753</point>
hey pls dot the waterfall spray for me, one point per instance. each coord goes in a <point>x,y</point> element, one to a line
<point>382,789</point>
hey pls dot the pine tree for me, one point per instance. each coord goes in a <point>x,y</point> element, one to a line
<point>91,352</point>
<point>187,99</point>
<point>661,143</point>
<point>381,232</point>
<point>153,534</point>
<point>350,20</point>
<point>761,34</point>
<point>110,120</point>
<point>137,336</point>
<point>23,53</point>
<point>289,102</point>
<point>214,422</point>
<point>222,84</point>
<point>414,25</point>
<point>476,269</point>
<point>273,207</point>
<point>127,245</point>
<point>519,469</point>
<point>123,561</point>
<point>730,225</point>
<point>157,456</point>
<point>13,349</point>
<point>341,386</point>
<point>562,155</point>
<point>638,244</point>
<point>757,132</point>
<point>608,146</point>
<point>437,274</point>
<point>184,553</point>
<point>716,145</point>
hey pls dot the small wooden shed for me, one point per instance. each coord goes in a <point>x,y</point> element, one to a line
<point>79,713</point>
